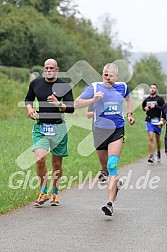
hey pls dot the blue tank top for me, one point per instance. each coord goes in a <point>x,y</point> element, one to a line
<point>108,111</point>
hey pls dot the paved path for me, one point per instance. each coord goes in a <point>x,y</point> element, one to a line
<point>139,223</point>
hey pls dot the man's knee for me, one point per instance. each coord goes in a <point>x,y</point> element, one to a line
<point>112,165</point>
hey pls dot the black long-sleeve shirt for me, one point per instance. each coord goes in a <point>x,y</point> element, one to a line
<point>155,112</point>
<point>164,116</point>
<point>164,111</point>
<point>41,89</point>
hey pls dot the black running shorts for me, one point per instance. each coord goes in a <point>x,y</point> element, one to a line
<point>102,137</point>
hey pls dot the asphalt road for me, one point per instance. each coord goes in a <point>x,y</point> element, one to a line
<point>139,222</point>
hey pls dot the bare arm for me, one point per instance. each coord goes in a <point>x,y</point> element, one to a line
<point>161,123</point>
<point>53,100</point>
<point>81,103</point>
<point>90,114</point>
<point>128,100</point>
<point>31,112</point>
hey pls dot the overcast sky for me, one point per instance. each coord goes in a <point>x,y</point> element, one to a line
<point>143,22</point>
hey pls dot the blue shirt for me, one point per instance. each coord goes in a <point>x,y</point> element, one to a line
<point>108,111</point>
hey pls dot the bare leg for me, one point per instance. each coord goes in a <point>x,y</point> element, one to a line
<point>56,170</point>
<point>41,169</point>
<point>158,142</point>
<point>115,149</point>
<point>103,158</point>
<point>151,142</point>
<point>112,187</point>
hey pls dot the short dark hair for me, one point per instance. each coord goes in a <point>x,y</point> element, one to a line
<point>154,84</point>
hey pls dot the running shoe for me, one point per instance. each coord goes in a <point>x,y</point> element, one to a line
<point>103,177</point>
<point>41,200</point>
<point>151,159</point>
<point>54,200</point>
<point>108,209</point>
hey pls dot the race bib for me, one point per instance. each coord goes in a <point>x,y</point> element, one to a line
<point>155,121</point>
<point>149,103</point>
<point>111,108</point>
<point>48,129</point>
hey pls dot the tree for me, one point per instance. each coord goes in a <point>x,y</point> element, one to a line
<point>148,70</point>
<point>63,6</point>
<point>28,37</point>
<point>25,36</point>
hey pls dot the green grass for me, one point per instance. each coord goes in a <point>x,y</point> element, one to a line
<point>16,137</point>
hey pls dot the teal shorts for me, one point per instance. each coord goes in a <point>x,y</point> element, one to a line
<point>57,144</point>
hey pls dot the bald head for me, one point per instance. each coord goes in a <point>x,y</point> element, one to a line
<point>111,67</point>
<point>52,62</point>
<point>50,70</point>
<point>110,74</point>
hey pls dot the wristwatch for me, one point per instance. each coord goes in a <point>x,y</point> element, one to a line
<point>59,105</point>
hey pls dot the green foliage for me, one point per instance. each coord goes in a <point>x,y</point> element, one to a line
<point>44,7</point>
<point>25,38</point>
<point>38,70</point>
<point>85,42</point>
<point>29,36</point>
<point>11,93</point>
<point>16,73</point>
<point>33,30</point>
<point>148,70</point>
<point>15,138</point>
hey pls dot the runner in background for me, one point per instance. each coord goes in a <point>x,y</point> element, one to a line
<point>152,105</point>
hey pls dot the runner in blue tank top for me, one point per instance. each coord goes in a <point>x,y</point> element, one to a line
<point>107,98</point>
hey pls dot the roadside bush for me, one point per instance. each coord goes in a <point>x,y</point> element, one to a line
<point>37,71</point>
<point>16,73</point>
